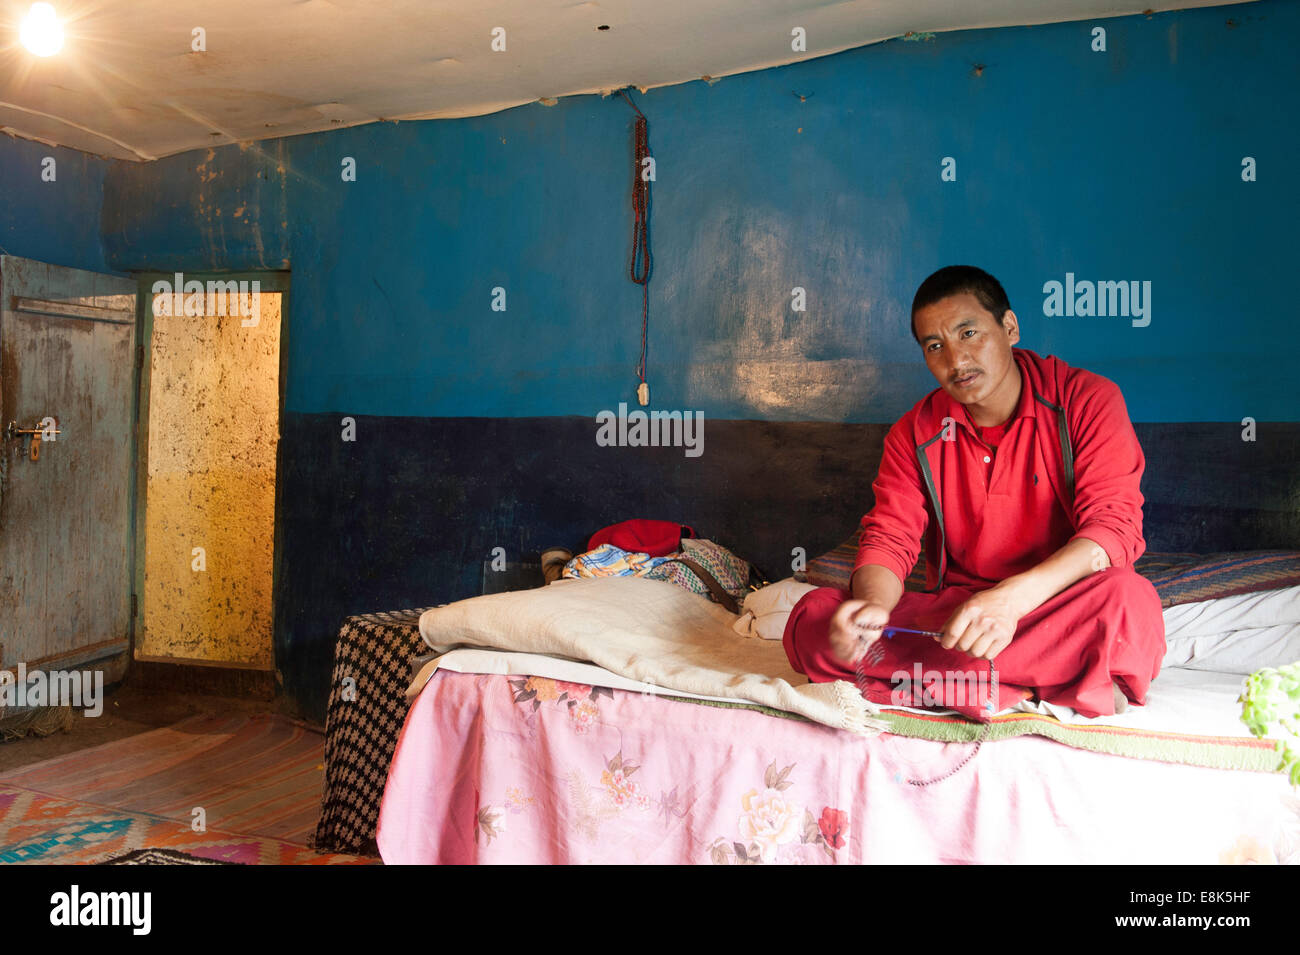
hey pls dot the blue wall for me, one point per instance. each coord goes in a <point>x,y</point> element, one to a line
<point>1122,165</point>
<point>477,426</point>
<point>56,222</point>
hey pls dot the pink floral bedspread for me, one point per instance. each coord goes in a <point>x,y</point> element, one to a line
<point>502,769</point>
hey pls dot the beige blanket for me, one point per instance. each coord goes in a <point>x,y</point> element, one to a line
<point>649,631</point>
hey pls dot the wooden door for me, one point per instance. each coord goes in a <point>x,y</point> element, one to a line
<point>67,353</point>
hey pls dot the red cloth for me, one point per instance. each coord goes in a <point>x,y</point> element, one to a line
<point>1009,513</point>
<point>656,538</point>
<point>1007,506</point>
<point>1106,628</point>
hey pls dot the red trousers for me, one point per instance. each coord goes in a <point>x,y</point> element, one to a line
<point>1107,628</point>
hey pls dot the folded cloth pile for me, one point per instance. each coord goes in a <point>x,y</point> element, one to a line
<point>730,572</point>
<point>610,561</point>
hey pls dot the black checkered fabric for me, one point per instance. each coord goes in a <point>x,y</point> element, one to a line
<point>374,650</point>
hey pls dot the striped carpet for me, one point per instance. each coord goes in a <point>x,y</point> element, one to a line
<point>255,780</point>
<point>1215,752</point>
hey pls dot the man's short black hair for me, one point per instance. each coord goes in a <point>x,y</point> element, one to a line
<point>956,279</point>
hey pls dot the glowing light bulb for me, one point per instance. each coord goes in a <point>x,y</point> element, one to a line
<point>41,32</point>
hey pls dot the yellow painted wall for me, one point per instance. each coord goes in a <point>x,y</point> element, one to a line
<point>213,431</point>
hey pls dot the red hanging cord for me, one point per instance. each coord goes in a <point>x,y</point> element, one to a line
<point>639,269</point>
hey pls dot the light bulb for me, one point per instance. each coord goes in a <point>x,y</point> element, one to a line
<point>41,31</point>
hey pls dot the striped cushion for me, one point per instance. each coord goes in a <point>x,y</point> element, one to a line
<point>1178,578</point>
<point>835,567</point>
<point>1189,578</point>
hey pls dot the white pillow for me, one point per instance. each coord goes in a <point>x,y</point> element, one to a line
<point>766,610</point>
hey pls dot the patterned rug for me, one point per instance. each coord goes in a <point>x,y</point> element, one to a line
<point>252,782</point>
<point>39,828</point>
<point>163,857</point>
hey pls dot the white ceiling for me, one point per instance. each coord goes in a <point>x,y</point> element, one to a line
<point>127,84</point>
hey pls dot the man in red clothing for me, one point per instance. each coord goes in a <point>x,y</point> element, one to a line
<point>1022,474</point>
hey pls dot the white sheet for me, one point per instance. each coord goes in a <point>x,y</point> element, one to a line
<point>1235,634</point>
<point>1200,702</point>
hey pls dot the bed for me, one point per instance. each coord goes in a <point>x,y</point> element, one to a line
<point>517,757</point>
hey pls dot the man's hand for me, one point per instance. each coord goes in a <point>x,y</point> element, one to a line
<point>985,624</point>
<point>855,626</point>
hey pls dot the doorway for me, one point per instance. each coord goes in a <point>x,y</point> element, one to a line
<point>211,402</point>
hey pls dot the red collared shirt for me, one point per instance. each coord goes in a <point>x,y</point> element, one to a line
<point>1008,499</point>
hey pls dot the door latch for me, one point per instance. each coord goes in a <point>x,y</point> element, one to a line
<point>34,448</point>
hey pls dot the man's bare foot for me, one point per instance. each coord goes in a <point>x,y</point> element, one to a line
<point>1121,701</point>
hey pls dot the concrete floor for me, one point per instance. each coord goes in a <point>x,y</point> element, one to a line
<point>127,711</point>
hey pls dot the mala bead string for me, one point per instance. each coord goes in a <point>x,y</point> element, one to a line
<point>989,705</point>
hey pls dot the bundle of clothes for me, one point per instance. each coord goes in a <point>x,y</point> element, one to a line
<point>662,550</point>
